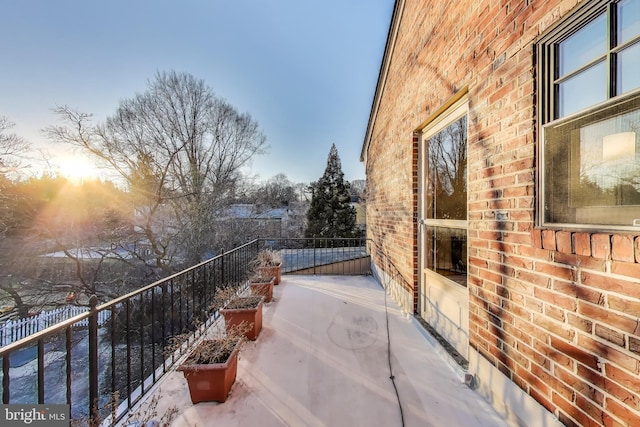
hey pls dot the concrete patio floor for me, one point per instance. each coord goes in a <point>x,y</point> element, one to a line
<point>322,360</point>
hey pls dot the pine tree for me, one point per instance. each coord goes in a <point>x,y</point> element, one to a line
<point>330,213</point>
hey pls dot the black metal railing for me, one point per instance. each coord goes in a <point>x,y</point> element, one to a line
<point>95,365</point>
<point>92,367</point>
<point>340,256</point>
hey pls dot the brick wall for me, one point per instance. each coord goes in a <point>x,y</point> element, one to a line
<point>557,312</point>
<point>391,206</point>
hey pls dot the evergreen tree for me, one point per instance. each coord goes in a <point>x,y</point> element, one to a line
<point>330,213</point>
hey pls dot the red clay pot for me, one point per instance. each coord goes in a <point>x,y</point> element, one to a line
<point>252,316</point>
<point>275,271</point>
<point>211,382</point>
<point>264,289</point>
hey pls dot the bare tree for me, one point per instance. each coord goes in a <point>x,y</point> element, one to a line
<point>276,192</point>
<point>180,150</point>
<point>12,147</point>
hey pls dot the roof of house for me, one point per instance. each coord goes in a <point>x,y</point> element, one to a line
<point>382,76</point>
<point>250,211</point>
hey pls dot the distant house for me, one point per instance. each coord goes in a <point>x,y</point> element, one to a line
<point>95,253</point>
<point>254,222</point>
<point>503,162</point>
<point>58,266</point>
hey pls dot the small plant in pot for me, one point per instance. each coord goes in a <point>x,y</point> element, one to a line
<point>238,308</point>
<point>244,309</point>
<point>211,367</point>
<point>270,264</point>
<point>262,286</point>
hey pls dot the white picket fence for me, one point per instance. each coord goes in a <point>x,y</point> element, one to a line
<point>14,330</point>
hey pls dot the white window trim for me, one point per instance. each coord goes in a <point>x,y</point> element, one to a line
<point>432,126</point>
<point>456,111</point>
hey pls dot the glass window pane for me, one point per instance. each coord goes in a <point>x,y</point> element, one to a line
<point>629,68</point>
<point>628,20</point>
<point>584,46</point>
<point>608,168</point>
<point>582,90</point>
<point>446,178</point>
<point>446,253</point>
<point>592,167</point>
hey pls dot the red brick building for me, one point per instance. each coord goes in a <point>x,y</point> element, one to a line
<point>503,196</point>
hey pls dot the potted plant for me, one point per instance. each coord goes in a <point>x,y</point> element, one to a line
<point>262,286</point>
<point>211,367</point>
<point>270,264</point>
<point>244,309</point>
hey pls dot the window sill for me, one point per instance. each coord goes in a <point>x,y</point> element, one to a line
<point>618,247</point>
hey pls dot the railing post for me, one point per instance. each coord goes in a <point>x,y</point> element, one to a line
<point>93,354</point>
<point>314,256</point>
<point>40,371</point>
<point>222,268</point>
<point>5,380</point>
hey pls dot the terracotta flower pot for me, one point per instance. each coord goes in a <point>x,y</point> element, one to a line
<point>244,309</point>
<point>272,270</point>
<point>211,382</point>
<point>262,288</point>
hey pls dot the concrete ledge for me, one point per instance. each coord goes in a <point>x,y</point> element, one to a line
<point>507,399</point>
<point>400,295</point>
<point>461,372</point>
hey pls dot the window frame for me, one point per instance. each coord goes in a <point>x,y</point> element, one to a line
<point>437,123</point>
<point>546,52</point>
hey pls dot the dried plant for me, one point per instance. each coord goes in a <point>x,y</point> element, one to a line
<point>262,291</point>
<point>268,258</point>
<point>219,348</point>
<point>224,294</point>
<point>221,341</point>
<point>243,302</point>
<point>230,297</point>
<point>220,344</point>
<point>147,417</point>
<point>259,277</point>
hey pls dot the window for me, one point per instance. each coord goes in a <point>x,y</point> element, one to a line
<point>589,113</point>
<point>445,196</point>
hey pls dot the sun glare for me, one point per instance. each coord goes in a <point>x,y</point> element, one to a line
<point>77,169</point>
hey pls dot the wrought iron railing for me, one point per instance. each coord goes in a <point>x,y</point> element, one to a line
<point>85,364</point>
<point>344,256</point>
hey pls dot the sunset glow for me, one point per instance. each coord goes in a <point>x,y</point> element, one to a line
<point>77,168</point>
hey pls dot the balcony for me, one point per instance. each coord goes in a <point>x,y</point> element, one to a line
<point>322,359</point>
<point>329,347</point>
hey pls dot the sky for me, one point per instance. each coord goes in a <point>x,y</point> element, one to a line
<point>305,70</point>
